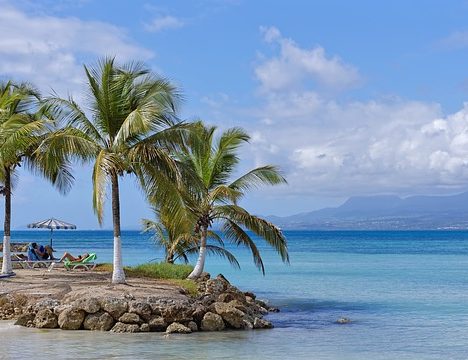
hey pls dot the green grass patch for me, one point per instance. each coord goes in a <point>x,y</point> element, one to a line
<point>175,274</point>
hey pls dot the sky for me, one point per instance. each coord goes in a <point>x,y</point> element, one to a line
<point>349,98</point>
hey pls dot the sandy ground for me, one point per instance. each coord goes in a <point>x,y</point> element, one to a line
<point>39,283</point>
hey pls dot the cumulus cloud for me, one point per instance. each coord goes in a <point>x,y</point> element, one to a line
<point>333,147</point>
<point>161,23</point>
<point>50,50</point>
<point>296,66</point>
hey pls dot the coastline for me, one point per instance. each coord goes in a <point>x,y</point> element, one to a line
<point>88,300</point>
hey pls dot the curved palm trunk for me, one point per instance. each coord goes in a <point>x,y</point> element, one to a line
<point>118,275</point>
<point>6,266</point>
<point>198,269</point>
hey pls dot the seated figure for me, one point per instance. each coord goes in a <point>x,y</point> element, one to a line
<point>39,252</point>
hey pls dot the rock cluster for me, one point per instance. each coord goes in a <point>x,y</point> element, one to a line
<point>220,306</point>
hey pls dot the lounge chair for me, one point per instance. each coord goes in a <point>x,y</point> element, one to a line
<point>32,262</point>
<point>87,263</point>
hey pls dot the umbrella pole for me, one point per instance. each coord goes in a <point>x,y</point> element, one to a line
<point>51,230</point>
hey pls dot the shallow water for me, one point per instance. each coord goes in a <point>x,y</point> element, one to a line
<point>405,292</point>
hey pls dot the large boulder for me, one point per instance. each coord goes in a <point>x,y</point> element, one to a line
<point>157,323</point>
<point>45,304</point>
<point>198,312</point>
<point>192,325</point>
<point>215,286</point>
<point>125,328</point>
<point>232,295</point>
<point>90,305</point>
<point>45,318</point>
<point>71,319</point>
<point>232,316</point>
<point>116,307</point>
<point>179,312</point>
<point>100,320</point>
<point>28,319</point>
<point>129,318</point>
<point>178,328</point>
<point>212,322</point>
<point>143,309</point>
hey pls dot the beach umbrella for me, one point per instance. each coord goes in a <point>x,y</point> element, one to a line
<point>51,224</point>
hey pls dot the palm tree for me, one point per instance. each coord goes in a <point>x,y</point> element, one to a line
<point>23,128</point>
<point>178,239</point>
<point>209,195</point>
<point>130,127</point>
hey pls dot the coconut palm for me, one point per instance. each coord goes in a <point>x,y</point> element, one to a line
<point>179,240</point>
<point>211,196</point>
<point>23,128</point>
<point>131,125</point>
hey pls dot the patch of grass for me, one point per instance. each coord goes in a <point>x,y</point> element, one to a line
<point>189,285</point>
<point>159,270</point>
<point>174,274</point>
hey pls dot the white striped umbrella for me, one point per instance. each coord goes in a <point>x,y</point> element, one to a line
<point>51,224</point>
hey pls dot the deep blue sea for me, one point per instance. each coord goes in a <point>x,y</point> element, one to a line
<point>406,293</point>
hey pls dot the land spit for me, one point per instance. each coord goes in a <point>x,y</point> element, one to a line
<point>88,300</point>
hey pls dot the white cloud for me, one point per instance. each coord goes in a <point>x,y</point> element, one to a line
<point>295,66</point>
<point>164,23</point>
<point>332,147</point>
<point>49,50</point>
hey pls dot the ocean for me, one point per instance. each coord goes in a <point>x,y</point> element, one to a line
<point>406,293</point>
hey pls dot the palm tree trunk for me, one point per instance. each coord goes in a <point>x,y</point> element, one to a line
<point>198,269</point>
<point>6,266</point>
<point>118,275</point>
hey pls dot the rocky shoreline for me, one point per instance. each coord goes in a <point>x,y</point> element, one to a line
<point>219,306</point>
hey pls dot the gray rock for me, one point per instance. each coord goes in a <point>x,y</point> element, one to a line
<point>25,319</point>
<point>198,312</point>
<point>129,318</point>
<point>144,327</point>
<point>60,308</point>
<point>262,324</point>
<point>246,324</point>
<point>90,305</point>
<point>141,308</point>
<point>343,320</point>
<point>45,304</point>
<point>178,328</point>
<point>125,328</point>
<point>215,286</point>
<point>230,296</point>
<point>116,307</point>
<point>179,312</point>
<point>157,323</point>
<point>212,322</point>
<point>192,325</point>
<point>100,320</point>
<point>230,314</point>
<point>45,318</point>
<point>71,319</point>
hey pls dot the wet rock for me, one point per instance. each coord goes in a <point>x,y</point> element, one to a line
<point>100,321</point>
<point>343,320</point>
<point>246,324</point>
<point>125,328</point>
<point>45,318</point>
<point>157,323</point>
<point>71,319</point>
<point>144,327</point>
<point>212,322</point>
<point>262,324</point>
<point>178,328</point>
<point>25,319</point>
<point>250,295</point>
<point>230,314</point>
<point>192,325</point>
<point>198,313</point>
<point>129,318</point>
<point>116,307</point>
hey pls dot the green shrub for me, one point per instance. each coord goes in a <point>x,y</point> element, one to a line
<point>160,270</point>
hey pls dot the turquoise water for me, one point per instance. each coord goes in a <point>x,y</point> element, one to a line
<point>405,292</point>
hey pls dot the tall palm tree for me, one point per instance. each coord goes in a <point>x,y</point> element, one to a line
<point>130,126</point>
<point>178,239</point>
<point>23,128</point>
<point>211,196</point>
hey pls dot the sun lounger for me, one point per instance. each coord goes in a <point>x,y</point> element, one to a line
<point>87,263</point>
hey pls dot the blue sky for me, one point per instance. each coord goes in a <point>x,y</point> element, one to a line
<point>349,98</point>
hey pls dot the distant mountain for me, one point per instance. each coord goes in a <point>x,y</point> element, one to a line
<point>385,213</point>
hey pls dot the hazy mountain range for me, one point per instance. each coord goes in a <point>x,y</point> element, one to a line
<point>385,212</point>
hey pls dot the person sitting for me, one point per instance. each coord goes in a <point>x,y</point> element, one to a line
<point>40,252</point>
<point>70,257</point>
